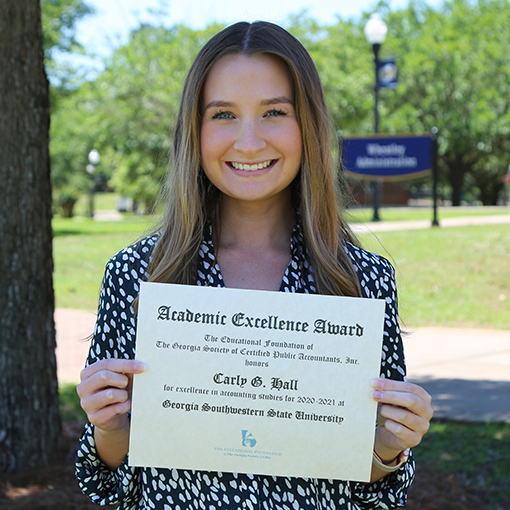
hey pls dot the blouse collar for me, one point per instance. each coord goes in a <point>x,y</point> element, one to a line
<point>298,276</point>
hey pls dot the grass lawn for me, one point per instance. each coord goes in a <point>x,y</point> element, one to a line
<point>81,249</point>
<point>446,276</point>
<point>452,277</point>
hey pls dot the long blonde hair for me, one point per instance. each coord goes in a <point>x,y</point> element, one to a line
<point>190,199</point>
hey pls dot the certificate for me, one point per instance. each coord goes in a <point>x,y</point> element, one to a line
<point>255,382</point>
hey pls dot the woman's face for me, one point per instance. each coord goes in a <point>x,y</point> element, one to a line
<point>251,143</point>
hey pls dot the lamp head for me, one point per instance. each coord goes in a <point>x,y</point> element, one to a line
<point>94,157</point>
<point>376,29</point>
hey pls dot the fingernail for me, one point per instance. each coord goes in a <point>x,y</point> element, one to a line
<point>140,366</point>
<point>376,383</point>
<point>378,395</point>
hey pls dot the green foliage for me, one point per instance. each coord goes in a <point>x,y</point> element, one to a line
<point>489,171</point>
<point>59,18</point>
<point>69,180</point>
<point>71,139</point>
<point>345,66</point>
<point>127,113</point>
<point>454,72</point>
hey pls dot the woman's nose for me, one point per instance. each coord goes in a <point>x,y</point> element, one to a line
<point>249,139</point>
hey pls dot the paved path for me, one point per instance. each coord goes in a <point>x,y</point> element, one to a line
<point>467,371</point>
<point>74,328</point>
<point>463,221</point>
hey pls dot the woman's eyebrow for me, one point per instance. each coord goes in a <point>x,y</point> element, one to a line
<point>265,102</point>
<point>218,104</point>
<point>277,100</point>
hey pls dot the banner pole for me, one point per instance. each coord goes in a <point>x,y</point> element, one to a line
<point>434,147</point>
<point>376,184</point>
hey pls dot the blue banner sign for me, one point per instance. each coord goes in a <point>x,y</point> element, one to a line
<point>387,73</point>
<point>386,157</point>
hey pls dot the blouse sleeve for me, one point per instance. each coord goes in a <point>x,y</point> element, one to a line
<point>97,481</point>
<point>377,279</point>
<point>114,337</point>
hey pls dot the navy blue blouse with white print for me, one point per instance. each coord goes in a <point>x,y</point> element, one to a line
<point>171,489</point>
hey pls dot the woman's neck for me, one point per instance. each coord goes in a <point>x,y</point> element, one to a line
<point>253,244</point>
<point>254,226</point>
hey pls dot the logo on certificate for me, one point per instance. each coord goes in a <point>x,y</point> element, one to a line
<point>248,439</point>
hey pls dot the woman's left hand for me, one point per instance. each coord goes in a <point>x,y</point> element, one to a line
<point>403,416</point>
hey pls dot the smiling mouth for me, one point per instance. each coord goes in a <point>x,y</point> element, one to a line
<point>251,168</point>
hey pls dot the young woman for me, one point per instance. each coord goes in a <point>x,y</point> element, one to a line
<point>252,201</point>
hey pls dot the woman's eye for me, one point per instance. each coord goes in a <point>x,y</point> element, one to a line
<point>275,113</point>
<point>222,115</point>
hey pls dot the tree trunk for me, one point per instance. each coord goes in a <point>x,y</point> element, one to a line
<point>29,417</point>
<point>456,174</point>
<point>490,193</point>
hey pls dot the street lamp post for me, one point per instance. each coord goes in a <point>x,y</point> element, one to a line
<point>375,33</point>
<point>506,180</point>
<point>94,159</point>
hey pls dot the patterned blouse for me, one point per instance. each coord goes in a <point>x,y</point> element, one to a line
<point>172,489</point>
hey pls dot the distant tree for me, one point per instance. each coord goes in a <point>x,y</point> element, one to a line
<point>69,179</point>
<point>455,74</point>
<point>29,417</point>
<point>344,61</point>
<point>59,19</point>
<point>73,134</point>
<point>488,173</point>
<point>133,105</point>
<point>454,69</point>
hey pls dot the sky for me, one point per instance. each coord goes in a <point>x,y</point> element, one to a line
<point>110,26</point>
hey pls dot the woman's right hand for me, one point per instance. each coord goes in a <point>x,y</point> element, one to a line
<point>105,392</point>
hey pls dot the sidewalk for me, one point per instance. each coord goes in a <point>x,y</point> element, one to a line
<point>467,371</point>
<point>463,221</point>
